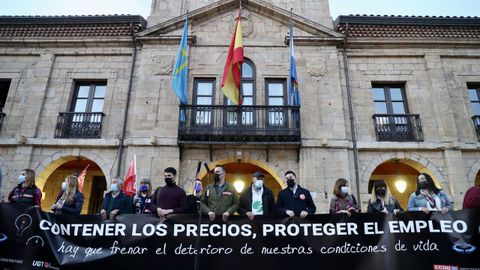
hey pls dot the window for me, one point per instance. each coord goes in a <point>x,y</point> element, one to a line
<point>204,90</point>
<point>88,97</point>
<point>391,119</point>
<point>84,120</point>
<point>247,86</point>
<point>276,96</point>
<point>4,86</point>
<point>474,94</point>
<point>389,99</point>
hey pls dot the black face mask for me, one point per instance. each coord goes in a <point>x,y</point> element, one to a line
<point>423,185</point>
<point>290,183</point>
<point>380,191</point>
<point>169,181</point>
<point>216,177</point>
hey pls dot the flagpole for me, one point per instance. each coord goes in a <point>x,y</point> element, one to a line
<point>135,170</point>
<point>290,86</point>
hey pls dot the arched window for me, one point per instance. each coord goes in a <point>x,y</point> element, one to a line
<point>247,88</point>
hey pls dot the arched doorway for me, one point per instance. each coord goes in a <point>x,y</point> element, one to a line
<point>240,174</point>
<point>400,178</point>
<point>54,174</point>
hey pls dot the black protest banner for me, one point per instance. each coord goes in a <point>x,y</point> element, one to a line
<point>32,239</point>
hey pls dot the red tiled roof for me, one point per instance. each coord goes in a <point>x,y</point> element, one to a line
<point>70,26</point>
<point>410,27</point>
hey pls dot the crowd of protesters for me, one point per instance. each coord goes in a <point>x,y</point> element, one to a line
<point>220,199</point>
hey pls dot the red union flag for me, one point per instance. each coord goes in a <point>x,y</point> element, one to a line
<point>81,178</point>
<point>130,184</point>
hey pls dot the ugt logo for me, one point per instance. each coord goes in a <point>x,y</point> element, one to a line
<point>41,264</point>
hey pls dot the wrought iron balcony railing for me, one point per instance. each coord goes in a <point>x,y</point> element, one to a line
<point>2,115</point>
<point>216,124</point>
<point>79,125</point>
<point>398,127</point>
<point>476,124</point>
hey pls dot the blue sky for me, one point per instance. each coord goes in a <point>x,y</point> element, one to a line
<point>337,7</point>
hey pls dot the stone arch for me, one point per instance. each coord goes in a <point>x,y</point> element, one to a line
<point>417,162</point>
<point>272,170</point>
<point>473,171</point>
<point>51,163</point>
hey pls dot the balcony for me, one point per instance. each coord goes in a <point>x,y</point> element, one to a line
<point>476,124</point>
<point>79,125</point>
<point>2,115</point>
<point>398,127</point>
<point>199,124</point>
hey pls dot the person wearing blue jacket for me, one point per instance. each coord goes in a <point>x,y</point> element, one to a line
<point>428,197</point>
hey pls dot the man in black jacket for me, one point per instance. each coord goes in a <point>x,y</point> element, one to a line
<point>295,200</point>
<point>257,199</point>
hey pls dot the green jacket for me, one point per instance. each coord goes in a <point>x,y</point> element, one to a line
<point>224,201</point>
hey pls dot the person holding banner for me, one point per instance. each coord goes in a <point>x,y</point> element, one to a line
<point>69,199</point>
<point>220,198</point>
<point>343,201</point>
<point>428,197</point>
<point>169,198</point>
<point>295,200</point>
<point>193,200</point>
<point>382,201</point>
<point>472,198</point>
<point>26,191</point>
<point>256,200</point>
<point>115,201</point>
<point>143,197</point>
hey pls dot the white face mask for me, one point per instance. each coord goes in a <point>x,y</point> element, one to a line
<point>64,186</point>
<point>258,184</point>
<point>344,190</point>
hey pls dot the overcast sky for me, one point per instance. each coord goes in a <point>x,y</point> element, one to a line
<point>337,7</point>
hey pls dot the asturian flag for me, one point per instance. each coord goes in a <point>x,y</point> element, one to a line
<point>180,70</point>
<point>293,94</point>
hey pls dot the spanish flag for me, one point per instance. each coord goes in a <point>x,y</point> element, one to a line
<point>232,73</point>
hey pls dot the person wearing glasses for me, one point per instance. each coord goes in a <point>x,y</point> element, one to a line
<point>257,199</point>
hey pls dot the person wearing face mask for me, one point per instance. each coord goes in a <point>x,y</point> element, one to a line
<point>343,201</point>
<point>143,197</point>
<point>294,200</point>
<point>193,200</point>
<point>69,199</point>
<point>169,198</point>
<point>219,198</point>
<point>257,199</point>
<point>115,201</point>
<point>428,197</point>
<point>382,201</point>
<point>26,191</point>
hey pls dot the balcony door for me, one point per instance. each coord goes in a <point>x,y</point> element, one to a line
<point>276,99</point>
<point>204,93</point>
<point>84,120</point>
<point>391,113</point>
<point>247,91</point>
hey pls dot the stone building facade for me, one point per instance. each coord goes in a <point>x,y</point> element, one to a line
<point>95,90</point>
